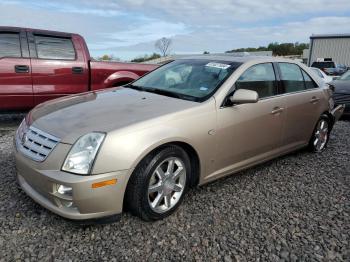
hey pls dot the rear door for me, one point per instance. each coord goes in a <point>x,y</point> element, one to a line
<point>15,71</point>
<point>303,104</point>
<point>58,66</point>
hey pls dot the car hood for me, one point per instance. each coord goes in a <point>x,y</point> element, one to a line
<point>341,86</point>
<point>71,117</point>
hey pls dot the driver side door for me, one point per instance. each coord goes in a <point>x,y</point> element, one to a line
<point>250,133</point>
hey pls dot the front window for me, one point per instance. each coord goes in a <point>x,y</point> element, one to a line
<point>260,78</point>
<point>190,79</point>
<point>345,76</point>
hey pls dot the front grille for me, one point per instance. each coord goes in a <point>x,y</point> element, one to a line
<point>340,98</point>
<point>36,144</point>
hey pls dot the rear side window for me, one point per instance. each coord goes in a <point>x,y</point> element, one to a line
<point>260,78</point>
<point>309,83</point>
<point>291,77</point>
<point>49,47</point>
<point>10,45</point>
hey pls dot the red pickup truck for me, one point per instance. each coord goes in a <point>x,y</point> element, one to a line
<point>39,65</point>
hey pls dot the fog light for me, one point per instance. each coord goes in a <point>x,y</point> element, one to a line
<point>64,190</point>
<point>66,203</point>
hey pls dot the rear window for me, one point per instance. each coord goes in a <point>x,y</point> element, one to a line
<point>10,45</point>
<point>321,65</point>
<point>291,77</point>
<point>49,47</point>
<point>309,83</point>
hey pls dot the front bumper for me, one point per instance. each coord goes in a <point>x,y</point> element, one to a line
<point>347,110</point>
<point>337,112</point>
<point>86,202</point>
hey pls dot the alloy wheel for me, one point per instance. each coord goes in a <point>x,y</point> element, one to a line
<point>321,135</point>
<point>167,185</point>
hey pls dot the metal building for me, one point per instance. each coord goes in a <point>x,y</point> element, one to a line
<point>336,47</point>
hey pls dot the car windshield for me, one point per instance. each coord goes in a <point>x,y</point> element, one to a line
<point>345,76</point>
<point>189,79</point>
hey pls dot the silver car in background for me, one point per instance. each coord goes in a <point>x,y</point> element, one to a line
<point>326,78</point>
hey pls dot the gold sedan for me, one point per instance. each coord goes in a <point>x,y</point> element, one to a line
<point>142,146</point>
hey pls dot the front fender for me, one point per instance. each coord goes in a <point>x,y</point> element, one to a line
<point>122,152</point>
<point>119,77</point>
<point>124,148</point>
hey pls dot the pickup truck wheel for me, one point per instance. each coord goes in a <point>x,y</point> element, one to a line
<point>159,183</point>
<point>320,136</point>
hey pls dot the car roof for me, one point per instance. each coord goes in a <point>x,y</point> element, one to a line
<point>239,59</point>
<point>43,31</point>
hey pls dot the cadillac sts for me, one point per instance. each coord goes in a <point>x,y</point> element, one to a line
<point>140,147</point>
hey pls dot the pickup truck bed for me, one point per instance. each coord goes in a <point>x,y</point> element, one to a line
<point>39,65</point>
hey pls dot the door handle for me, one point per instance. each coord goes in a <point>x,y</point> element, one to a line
<point>77,70</point>
<point>21,69</point>
<point>314,100</point>
<point>277,110</point>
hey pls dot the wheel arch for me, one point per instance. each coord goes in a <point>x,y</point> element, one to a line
<point>330,117</point>
<point>120,78</point>
<point>194,159</point>
<point>188,148</point>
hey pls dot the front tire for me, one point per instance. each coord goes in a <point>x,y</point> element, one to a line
<point>320,136</point>
<point>159,183</point>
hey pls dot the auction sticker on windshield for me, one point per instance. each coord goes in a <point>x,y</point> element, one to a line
<point>217,65</point>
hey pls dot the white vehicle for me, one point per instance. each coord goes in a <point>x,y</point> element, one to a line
<point>324,77</point>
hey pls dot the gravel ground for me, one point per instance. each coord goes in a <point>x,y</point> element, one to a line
<point>295,208</point>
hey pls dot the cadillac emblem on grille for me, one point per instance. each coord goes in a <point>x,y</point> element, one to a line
<point>35,144</point>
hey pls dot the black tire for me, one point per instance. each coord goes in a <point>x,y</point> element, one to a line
<point>136,196</point>
<point>312,146</point>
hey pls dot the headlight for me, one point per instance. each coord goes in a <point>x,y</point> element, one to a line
<point>23,128</point>
<point>83,153</point>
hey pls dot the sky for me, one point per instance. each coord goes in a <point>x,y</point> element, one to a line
<point>129,28</point>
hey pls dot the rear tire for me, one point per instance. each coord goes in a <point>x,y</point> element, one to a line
<point>320,135</point>
<point>158,184</point>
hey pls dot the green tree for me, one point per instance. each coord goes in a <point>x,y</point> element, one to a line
<point>146,58</point>
<point>282,49</point>
<point>105,58</point>
<point>108,58</point>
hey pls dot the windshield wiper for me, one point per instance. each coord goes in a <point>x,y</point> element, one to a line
<point>135,87</point>
<point>161,92</point>
<point>171,94</point>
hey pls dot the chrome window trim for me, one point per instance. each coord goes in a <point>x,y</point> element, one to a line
<point>280,95</point>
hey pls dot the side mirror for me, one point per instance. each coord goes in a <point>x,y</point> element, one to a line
<point>331,87</point>
<point>244,96</point>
